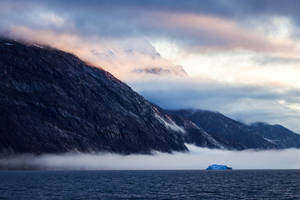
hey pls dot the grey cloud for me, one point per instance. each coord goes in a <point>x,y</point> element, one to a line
<point>216,7</point>
<point>273,60</point>
<point>244,103</point>
<point>141,18</point>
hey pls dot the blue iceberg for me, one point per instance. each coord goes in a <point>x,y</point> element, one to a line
<point>218,167</point>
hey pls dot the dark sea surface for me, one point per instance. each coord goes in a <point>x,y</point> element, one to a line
<point>67,185</point>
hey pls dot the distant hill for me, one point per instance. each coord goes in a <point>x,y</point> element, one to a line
<point>236,135</point>
<point>278,135</point>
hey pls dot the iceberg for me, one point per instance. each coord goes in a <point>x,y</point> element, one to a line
<point>218,167</point>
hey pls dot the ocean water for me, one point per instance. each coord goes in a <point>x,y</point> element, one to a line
<point>89,185</point>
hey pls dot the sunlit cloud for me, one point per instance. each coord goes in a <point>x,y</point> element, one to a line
<point>125,58</point>
<point>210,33</point>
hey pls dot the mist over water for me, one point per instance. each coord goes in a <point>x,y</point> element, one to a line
<point>197,158</point>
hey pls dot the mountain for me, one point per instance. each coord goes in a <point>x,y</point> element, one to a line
<point>278,135</point>
<point>52,102</point>
<point>194,134</point>
<point>230,133</point>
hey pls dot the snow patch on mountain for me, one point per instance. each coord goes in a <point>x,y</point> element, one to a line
<point>213,141</point>
<point>271,141</point>
<point>170,124</point>
<point>38,46</point>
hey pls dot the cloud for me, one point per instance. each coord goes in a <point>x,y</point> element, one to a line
<point>217,7</point>
<point>194,31</point>
<point>123,57</point>
<point>200,32</point>
<point>198,158</point>
<point>247,103</point>
<point>275,60</point>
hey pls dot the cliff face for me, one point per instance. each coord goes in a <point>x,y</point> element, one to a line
<point>51,101</point>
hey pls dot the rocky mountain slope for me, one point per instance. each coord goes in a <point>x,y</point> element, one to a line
<point>278,135</point>
<point>236,135</point>
<point>51,101</point>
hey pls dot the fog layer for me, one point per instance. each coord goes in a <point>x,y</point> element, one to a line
<point>197,158</point>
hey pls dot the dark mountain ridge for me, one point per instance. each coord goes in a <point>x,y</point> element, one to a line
<point>233,134</point>
<point>52,102</point>
<point>278,135</point>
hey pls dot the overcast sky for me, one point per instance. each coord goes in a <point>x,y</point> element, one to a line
<point>240,57</point>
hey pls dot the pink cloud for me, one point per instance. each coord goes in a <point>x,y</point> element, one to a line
<point>211,33</point>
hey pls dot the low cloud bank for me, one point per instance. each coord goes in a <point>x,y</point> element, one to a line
<point>197,158</point>
<point>243,102</point>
